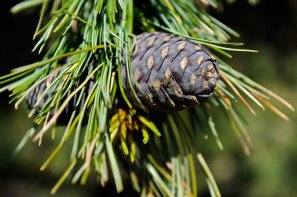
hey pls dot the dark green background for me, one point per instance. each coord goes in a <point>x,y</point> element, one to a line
<point>270,27</point>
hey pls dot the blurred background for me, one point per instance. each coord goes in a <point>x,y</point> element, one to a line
<point>270,27</point>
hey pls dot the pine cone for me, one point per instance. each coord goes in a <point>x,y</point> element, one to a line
<point>170,72</point>
<point>63,119</point>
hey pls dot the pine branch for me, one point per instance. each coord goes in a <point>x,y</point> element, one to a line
<point>85,43</point>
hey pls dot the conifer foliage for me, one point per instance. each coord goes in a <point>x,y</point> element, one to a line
<point>104,79</point>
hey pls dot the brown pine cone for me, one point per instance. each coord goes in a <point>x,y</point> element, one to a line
<point>63,119</point>
<point>170,72</point>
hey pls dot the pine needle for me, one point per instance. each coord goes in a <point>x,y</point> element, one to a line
<point>212,183</point>
<point>238,94</point>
